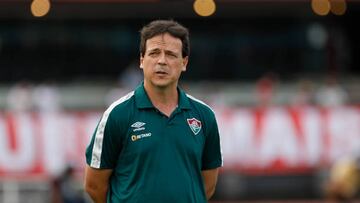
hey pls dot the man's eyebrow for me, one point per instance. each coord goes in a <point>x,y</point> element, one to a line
<point>154,50</point>
<point>167,50</point>
<point>171,52</point>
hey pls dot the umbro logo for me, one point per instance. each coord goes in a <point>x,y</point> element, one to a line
<point>138,126</point>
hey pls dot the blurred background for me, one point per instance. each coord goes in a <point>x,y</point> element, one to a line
<point>283,77</point>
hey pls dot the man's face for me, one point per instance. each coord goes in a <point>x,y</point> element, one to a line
<point>163,62</point>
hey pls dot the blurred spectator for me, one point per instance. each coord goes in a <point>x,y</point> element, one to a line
<point>344,179</point>
<point>66,189</point>
<point>331,94</point>
<point>265,89</point>
<point>46,97</point>
<point>129,79</point>
<point>114,94</point>
<point>304,94</point>
<point>19,97</point>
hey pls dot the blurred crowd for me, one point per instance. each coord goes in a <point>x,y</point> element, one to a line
<point>330,93</point>
<point>25,96</point>
<point>46,97</point>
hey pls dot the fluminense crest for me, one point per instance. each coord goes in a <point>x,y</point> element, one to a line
<point>195,125</point>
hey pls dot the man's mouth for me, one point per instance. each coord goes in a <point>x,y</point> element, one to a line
<point>161,73</point>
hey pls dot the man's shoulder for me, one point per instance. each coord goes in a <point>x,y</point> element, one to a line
<point>121,105</point>
<point>200,105</point>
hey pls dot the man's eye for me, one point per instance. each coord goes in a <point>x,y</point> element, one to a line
<point>153,53</point>
<point>172,55</point>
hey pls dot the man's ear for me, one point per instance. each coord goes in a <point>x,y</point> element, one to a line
<point>141,62</point>
<point>185,62</point>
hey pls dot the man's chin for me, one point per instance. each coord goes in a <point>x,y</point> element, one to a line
<point>162,84</point>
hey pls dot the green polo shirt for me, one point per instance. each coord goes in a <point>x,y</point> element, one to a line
<point>155,158</point>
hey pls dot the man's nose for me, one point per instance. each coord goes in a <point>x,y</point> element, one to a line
<point>162,59</point>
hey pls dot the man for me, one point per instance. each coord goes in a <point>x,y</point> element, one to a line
<point>343,184</point>
<point>156,144</point>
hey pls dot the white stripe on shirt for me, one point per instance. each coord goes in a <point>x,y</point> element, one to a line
<point>99,134</point>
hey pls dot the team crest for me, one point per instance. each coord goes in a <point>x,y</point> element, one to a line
<point>195,125</point>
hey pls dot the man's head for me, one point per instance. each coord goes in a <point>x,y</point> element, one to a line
<point>160,27</point>
<point>164,51</point>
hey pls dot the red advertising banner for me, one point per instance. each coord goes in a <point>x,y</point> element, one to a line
<point>271,140</point>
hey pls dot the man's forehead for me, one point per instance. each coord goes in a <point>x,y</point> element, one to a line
<point>163,40</point>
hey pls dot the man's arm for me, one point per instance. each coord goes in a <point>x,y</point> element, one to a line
<point>97,183</point>
<point>210,179</point>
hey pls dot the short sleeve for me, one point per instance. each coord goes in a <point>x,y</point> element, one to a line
<point>105,144</point>
<point>212,157</point>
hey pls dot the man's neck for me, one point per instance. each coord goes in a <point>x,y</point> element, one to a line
<point>164,99</point>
